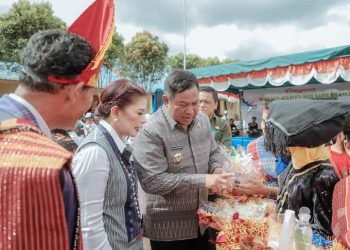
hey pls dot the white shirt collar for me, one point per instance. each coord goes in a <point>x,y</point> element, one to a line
<point>41,122</point>
<point>120,143</point>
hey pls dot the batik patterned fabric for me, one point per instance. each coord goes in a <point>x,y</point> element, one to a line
<point>17,110</point>
<point>63,138</point>
<point>171,165</point>
<point>32,209</point>
<point>265,159</point>
<point>341,211</point>
<point>340,162</point>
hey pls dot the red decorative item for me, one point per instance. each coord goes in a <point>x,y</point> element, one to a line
<point>235,216</point>
<point>222,238</point>
<point>96,25</point>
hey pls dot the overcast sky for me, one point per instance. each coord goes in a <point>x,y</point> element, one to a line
<point>244,29</point>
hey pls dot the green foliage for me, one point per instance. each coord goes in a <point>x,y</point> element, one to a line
<point>229,60</point>
<point>113,60</point>
<point>115,54</point>
<point>145,59</point>
<point>211,61</point>
<point>195,61</point>
<point>20,23</point>
<point>192,61</point>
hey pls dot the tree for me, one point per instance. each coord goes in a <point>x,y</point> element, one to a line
<point>20,23</point>
<point>115,54</point>
<point>113,60</point>
<point>210,61</point>
<point>192,61</point>
<point>145,59</point>
<point>229,60</point>
<point>195,61</point>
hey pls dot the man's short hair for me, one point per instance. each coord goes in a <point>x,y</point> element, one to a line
<point>179,81</point>
<point>56,52</point>
<point>213,92</point>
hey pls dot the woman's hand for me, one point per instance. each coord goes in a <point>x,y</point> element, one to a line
<point>256,187</point>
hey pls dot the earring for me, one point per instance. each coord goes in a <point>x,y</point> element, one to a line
<point>116,119</point>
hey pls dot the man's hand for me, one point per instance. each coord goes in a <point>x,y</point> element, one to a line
<point>217,181</point>
<point>218,171</point>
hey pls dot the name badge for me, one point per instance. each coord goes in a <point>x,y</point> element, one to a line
<point>177,158</point>
<point>176,147</point>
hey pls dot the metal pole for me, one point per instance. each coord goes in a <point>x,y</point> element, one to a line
<point>240,109</point>
<point>184,34</point>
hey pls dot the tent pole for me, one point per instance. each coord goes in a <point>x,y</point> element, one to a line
<point>184,5</point>
<point>240,107</point>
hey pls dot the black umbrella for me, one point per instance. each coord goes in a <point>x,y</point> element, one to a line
<point>304,123</point>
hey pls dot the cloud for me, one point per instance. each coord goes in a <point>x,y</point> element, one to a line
<point>260,42</point>
<point>68,11</point>
<point>246,30</point>
<point>4,7</point>
<point>252,50</point>
<point>290,40</point>
<point>167,16</point>
<point>340,14</point>
<point>250,13</point>
<point>162,15</point>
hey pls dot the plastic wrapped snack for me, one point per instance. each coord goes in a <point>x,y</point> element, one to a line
<point>242,166</point>
<point>214,214</point>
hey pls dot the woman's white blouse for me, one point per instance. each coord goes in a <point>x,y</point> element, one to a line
<point>91,170</point>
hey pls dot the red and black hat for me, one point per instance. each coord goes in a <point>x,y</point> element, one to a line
<point>96,25</point>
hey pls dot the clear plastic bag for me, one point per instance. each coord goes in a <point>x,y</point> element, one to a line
<point>220,208</point>
<point>253,208</point>
<point>242,166</point>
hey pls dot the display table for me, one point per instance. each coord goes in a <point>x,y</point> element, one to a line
<point>244,223</point>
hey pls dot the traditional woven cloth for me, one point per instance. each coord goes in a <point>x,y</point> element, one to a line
<point>341,211</point>
<point>32,209</point>
<point>63,138</point>
<point>265,159</point>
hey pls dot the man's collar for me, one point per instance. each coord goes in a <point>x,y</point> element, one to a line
<point>168,117</point>
<point>171,120</point>
<point>39,119</point>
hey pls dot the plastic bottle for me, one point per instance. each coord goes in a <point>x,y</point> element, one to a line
<point>303,231</point>
<point>287,229</point>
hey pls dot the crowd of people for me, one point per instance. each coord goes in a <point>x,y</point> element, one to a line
<point>110,194</point>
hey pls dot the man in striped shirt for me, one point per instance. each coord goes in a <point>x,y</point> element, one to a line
<point>177,160</point>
